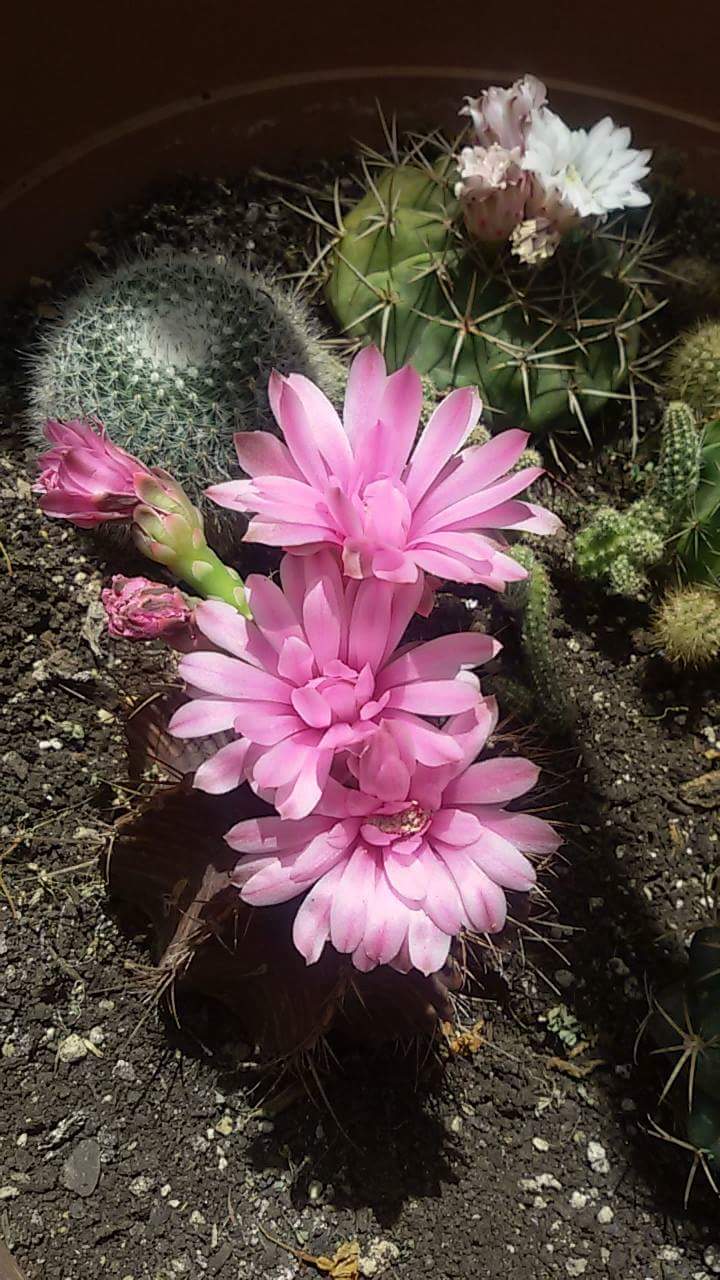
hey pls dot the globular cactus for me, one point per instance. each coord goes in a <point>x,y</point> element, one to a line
<point>533,597</point>
<point>686,626</point>
<point>685,1026</point>
<point>619,548</point>
<point>546,347</point>
<point>173,353</point>
<point>694,285</point>
<point>693,372</point>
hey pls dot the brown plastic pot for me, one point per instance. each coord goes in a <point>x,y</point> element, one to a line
<point>97,108</point>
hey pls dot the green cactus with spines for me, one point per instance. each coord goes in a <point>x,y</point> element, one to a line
<point>533,598</point>
<point>698,547</point>
<point>693,372</point>
<point>617,548</point>
<point>686,625</point>
<point>620,548</point>
<point>685,1027</point>
<point>173,353</point>
<point>546,347</point>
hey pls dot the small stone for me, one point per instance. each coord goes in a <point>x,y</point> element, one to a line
<point>597,1158</point>
<point>72,1049</point>
<point>124,1071</point>
<point>576,1266</point>
<point>381,1254</point>
<point>8,1193</point>
<point>605,1216</point>
<point>541,1182</point>
<point>96,1036</point>
<point>197,1219</point>
<point>578,1200</point>
<point>540,1144</point>
<point>456,1124</point>
<point>225,1125</point>
<point>218,1259</point>
<point>81,1171</point>
<point>711,1258</point>
<point>315,1191</point>
<point>140,1186</point>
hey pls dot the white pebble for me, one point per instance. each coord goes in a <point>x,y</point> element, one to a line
<point>540,1144</point>
<point>578,1200</point>
<point>605,1215</point>
<point>576,1266</point>
<point>72,1048</point>
<point>597,1158</point>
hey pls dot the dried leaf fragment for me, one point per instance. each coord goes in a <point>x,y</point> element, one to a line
<point>344,1264</point>
<point>578,1070</point>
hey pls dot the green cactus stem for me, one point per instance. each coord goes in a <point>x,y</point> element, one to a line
<point>698,546</point>
<point>534,598</point>
<point>685,1026</point>
<point>620,548</point>
<point>547,346</point>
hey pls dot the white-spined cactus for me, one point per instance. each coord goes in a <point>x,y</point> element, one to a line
<point>173,353</point>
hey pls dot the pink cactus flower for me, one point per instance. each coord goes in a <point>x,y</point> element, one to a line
<point>314,678</point>
<point>493,189</point>
<point>138,609</point>
<point>84,477</point>
<point>393,871</point>
<point>393,508</point>
<point>503,116</point>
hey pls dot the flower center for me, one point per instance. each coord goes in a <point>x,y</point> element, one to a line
<point>408,822</point>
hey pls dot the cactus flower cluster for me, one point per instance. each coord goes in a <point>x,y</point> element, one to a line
<point>528,178</point>
<point>389,833</point>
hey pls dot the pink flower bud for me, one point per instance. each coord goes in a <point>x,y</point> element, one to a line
<point>84,477</point>
<point>138,609</point>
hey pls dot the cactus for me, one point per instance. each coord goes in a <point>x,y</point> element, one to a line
<point>694,286</point>
<point>686,626</point>
<point>173,353</point>
<point>533,596</point>
<point>546,346</point>
<point>685,1026</point>
<point>693,372</point>
<point>618,548</point>
<point>698,546</point>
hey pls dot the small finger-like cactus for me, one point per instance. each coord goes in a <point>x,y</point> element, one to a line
<point>173,353</point>
<point>533,596</point>
<point>698,546</point>
<point>620,548</point>
<point>686,626</point>
<point>693,372</point>
<point>546,346</point>
<point>685,1026</point>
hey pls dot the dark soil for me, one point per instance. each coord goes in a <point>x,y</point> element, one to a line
<point>160,1150</point>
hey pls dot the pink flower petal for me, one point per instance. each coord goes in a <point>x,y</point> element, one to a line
<point>502,862</point>
<point>448,427</point>
<point>311,928</point>
<point>229,677</point>
<point>262,454</point>
<point>434,697</point>
<point>223,771</point>
<point>483,900</point>
<point>493,782</point>
<point>327,428</point>
<point>440,658</point>
<point>428,945</point>
<point>400,416</point>
<point>311,707</point>
<point>348,911</point>
<point>386,924</point>
<point>203,716</point>
<point>364,393</point>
